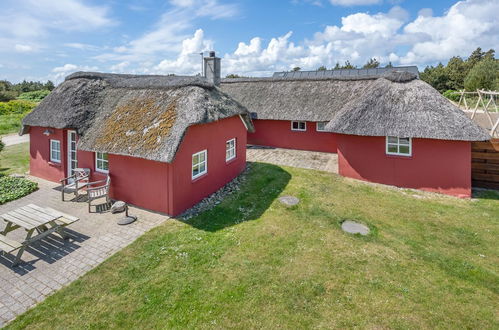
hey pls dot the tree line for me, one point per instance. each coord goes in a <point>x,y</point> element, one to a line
<point>25,90</point>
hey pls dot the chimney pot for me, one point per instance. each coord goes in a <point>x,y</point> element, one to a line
<point>212,54</point>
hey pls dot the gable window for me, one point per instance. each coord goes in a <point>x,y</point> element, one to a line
<point>321,126</point>
<point>101,162</point>
<point>55,151</point>
<point>398,146</point>
<point>298,126</point>
<point>199,164</point>
<point>230,150</point>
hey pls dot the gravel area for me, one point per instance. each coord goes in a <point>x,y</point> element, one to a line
<point>217,197</point>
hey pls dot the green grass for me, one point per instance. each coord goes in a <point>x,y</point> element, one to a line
<point>253,263</point>
<point>10,123</point>
<point>15,159</point>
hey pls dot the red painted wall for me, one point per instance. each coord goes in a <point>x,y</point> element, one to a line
<point>212,137</point>
<point>156,186</point>
<point>140,182</point>
<point>278,133</point>
<point>39,149</point>
<point>435,165</point>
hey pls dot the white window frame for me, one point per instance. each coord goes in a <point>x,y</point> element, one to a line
<point>299,129</point>
<point>58,151</point>
<point>398,145</point>
<point>205,161</point>
<point>97,159</point>
<point>231,151</point>
<point>317,126</point>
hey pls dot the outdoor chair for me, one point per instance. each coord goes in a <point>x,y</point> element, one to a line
<point>75,182</point>
<point>97,190</point>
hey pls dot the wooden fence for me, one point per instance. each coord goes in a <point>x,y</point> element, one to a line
<point>485,164</point>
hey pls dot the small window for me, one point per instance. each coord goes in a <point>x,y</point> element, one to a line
<point>321,126</point>
<point>55,151</point>
<point>230,149</point>
<point>199,164</point>
<point>101,162</point>
<point>298,126</point>
<point>398,146</point>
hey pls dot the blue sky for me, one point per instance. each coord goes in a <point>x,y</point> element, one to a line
<point>47,39</point>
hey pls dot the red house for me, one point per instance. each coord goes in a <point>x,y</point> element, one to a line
<point>391,128</point>
<point>402,132</point>
<point>166,141</point>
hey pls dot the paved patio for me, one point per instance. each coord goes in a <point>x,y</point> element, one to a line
<point>53,262</point>
<point>321,161</point>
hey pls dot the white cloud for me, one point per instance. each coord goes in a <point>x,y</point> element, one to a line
<point>59,73</point>
<point>467,25</point>
<point>189,59</point>
<point>23,48</point>
<point>81,46</point>
<point>33,18</point>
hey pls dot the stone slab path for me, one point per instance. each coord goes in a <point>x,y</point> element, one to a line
<point>321,161</point>
<point>54,263</point>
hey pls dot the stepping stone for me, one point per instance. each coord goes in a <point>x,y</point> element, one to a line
<point>289,200</point>
<point>353,227</point>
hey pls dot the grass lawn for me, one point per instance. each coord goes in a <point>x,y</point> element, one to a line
<point>254,263</point>
<point>10,123</point>
<point>15,159</point>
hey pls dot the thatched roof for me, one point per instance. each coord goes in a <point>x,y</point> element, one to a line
<point>135,115</point>
<point>401,105</point>
<point>312,99</point>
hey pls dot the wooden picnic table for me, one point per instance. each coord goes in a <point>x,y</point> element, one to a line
<point>38,223</point>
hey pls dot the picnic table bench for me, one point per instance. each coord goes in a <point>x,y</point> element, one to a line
<point>38,223</point>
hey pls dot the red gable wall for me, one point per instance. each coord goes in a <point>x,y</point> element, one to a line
<point>278,133</point>
<point>435,165</point>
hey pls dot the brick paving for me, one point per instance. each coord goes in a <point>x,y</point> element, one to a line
<point>321,161</point>
<point>52,262</point>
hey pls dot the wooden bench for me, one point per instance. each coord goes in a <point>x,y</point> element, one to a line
<point>8,245</point>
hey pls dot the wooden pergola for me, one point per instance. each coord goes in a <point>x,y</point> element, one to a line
<point>486,99</point>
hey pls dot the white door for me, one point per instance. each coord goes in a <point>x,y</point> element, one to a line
<point>72,161</point>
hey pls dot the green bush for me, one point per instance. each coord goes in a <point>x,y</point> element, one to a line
<point>12,188</point>
<point>451,96</point>
<point>35,96</point>
<point>6,96</point>
<point>16,107</point>
<point>483,76</point>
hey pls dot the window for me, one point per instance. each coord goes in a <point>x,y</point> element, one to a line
<point>398,146</point>
<point>321,126</point>
<point>298,126</point>
<point>230,149</point>
<point>101,162</point>
<point>55,151</point>
<point>199,164</point>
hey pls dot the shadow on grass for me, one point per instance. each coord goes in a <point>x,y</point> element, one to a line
<point>485,194</point>
<point>264,182</point>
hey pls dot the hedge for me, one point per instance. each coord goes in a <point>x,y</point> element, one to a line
<point>12,188</point>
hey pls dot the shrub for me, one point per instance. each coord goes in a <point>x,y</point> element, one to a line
<point>16,107</point>
<point>12,188</point>
<point>451,96</point>
<point>6,96</point>
<point>35,96</point>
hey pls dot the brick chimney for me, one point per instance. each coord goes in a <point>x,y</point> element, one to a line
<point>212,68</point>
